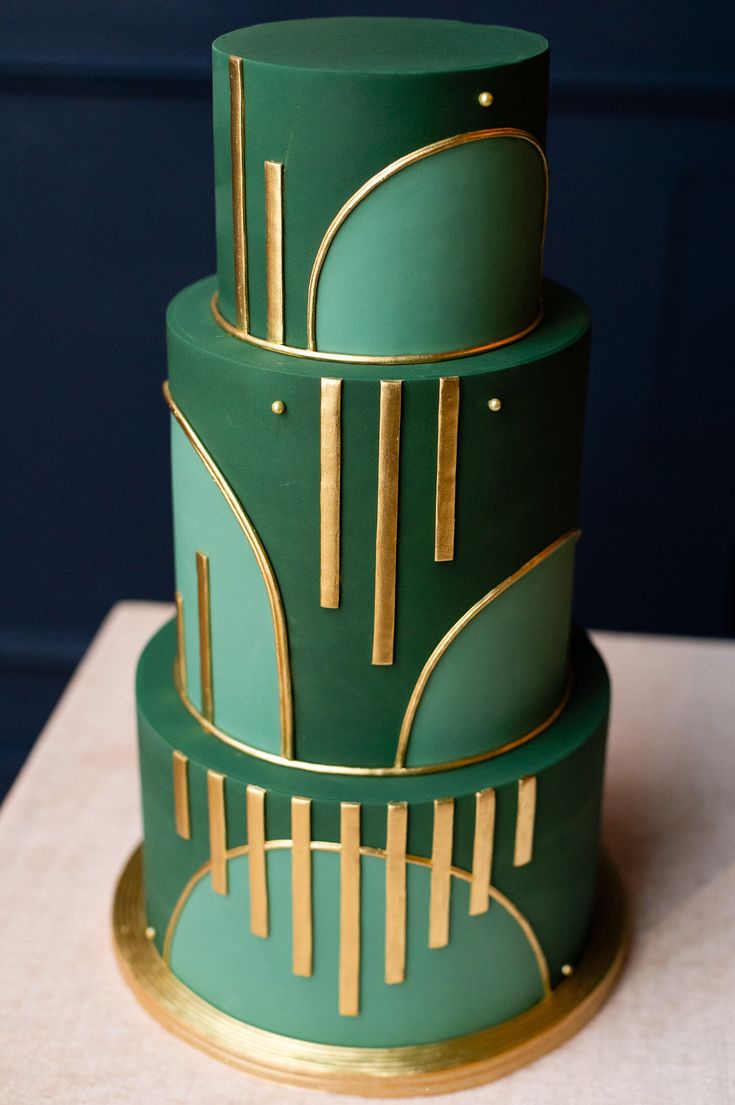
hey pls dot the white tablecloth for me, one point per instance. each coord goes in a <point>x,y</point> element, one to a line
<point>71,1032</point>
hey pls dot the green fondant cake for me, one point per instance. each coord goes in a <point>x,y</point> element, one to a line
<point>371,750</point>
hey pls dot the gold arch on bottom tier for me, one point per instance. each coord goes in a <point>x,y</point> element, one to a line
<point>334,846</point>
<point>377,1072</point>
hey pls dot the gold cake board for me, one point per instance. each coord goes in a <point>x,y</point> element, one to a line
<point>373,1072</point>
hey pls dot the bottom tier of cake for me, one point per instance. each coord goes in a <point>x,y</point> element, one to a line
<point>401,914</point>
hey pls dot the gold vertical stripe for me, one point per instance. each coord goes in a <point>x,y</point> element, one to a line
<point>395,892</point>
<point>386,535</point>
<point>205,635</point>
<point>330,484</point>
<point>255,804</point>
<point>349,910</point>
<point>180,767</point>
<point>217,831</point>
<point>525,819</point>
<point>441,872</point>
<point>446,468</point>
<point>180,643</point>
<point>274,249</point>
<point>301,910</point>
<point>237,157</point>
<point>482,851</point>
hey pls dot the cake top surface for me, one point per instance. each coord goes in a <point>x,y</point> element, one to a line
<point>382,45</point>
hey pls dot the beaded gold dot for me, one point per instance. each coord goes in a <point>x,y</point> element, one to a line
<point>150,932</point>
<point>567,970</point>
<point>485,99</point>
<point>278,407</point>
<point>494,404</point>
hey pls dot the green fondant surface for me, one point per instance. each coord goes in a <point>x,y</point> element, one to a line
<point>484,976</point>
<point>443,255</point>
<point>517,480</point>
<point>244,675</point>
<point>475,697</point>
<point>387,87</point>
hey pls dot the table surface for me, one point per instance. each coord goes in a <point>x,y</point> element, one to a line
<point>72,1032</point>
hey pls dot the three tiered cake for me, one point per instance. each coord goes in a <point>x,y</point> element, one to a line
<point>371,749</point>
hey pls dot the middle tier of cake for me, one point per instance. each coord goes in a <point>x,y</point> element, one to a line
<point>374,562</point>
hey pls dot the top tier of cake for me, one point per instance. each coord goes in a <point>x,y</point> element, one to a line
<point>380,186</point>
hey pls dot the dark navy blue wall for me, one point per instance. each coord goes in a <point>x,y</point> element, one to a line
<point>107,211</point>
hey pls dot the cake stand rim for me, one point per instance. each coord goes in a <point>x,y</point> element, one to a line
<point>406,1071</point>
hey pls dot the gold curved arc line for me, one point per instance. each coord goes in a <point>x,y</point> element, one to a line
<point>389,171</point>
<point>357,358</point>
<point>333,846</point>
<point>285,694</point>
<point>453,633</point>
<point>339,769</point>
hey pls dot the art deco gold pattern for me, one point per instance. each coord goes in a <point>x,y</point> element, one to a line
<point>274,249</point>
<point>357,358</point>
<point>441,873</point>
<point>217,831</point>
<point>258,876</point>
<point>446,467</point>
<point>271,586</point>
<point>180,771</point>
<point>381,1072</point>
<point>180,642</point>
<point>391,170</point>
<point>525,819</point>
<point>237,155</point>
<point>386,534</point>
<point>330,483</point>
<point>482,851</point>
<point>205,635</point>
<point>301,904</point>
<point>441,648</point>
<point>395,892</point>
<point>349,910</point>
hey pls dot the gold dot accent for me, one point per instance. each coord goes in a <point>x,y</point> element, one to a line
<point>567,970</point>
<point>494,404</point>
<point>278,407</point>
<point>485,99</point>
<point>150,932</point>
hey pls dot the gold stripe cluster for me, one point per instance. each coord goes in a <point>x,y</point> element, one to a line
<point>350,849</point>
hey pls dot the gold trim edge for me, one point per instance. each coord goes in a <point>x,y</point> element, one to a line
<point>340,769</point>
<point>437,1068</point>
<point>356,358</point>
